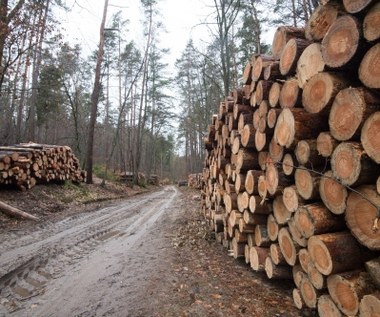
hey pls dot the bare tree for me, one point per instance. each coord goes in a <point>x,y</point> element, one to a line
<point>95,99</point>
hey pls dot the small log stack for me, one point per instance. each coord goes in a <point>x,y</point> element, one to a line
<point>27,164</point>
<point>195,180</point>
<point>291,183</point>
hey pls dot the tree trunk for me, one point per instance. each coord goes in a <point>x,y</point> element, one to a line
<point>327,307</point>
<point>333,194</point>
<point>282,35</point>
<point>95,98</point>
<point>248,136</point>
<point>277,272</point>
<point>257,258</point>
<point>290,95</point>
<point>261,235</point>
<point>274,94</point>
<point>256,206</point>
<point>307,185</point>
<point>251,181</point>
<point>288,247</point>
<point>290,55</point>
<point>309,293</point>
<point>360,215</point>
<point>276,254</point>
<point>15,212</point>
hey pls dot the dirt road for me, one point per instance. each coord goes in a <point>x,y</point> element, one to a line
<point>150,255</point>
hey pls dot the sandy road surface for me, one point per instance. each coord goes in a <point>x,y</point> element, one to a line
<point>90,264</point>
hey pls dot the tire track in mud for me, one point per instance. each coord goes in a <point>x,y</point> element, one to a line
<point>30,265</point>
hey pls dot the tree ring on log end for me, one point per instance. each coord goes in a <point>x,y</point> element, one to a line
<point>333,194</point>
<point>320,255</point>
<point>370,136</point>
<point>369,70</point>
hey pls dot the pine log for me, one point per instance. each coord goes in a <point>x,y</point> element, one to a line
<point>246,160</point>
<point>262,187</point>
<point>261,235</point>
<point>248,136</point>
<point>280,212</point>
<point>371,23</point>
<point>15,212</point>
<point>272,117</point>
<point>244,118</point>
<point>276,254</point>
<point>246,79</point>
<point>309,64</point>
<point>291,198</point>
<point>272,71</point>
<point>326,144</point>
<point>238,248</point>
<point>333,194</point>
<point>351,166</point>
<point>243,201</point>
<point>261,143</point>
<point>330,251</point>
<point>307,154</point>
<point>239,183</point>
<point>318,280</point>
<point>258,206</point>
<point>257,258</point>
<point>251,181</point>
<point>309,294</point>
<point>282,35</point>
<point>370,136</point>
<point>258,67</point>
<point>290,94</point>
<point>246,253</point>
<point>304,259</point>
<point>370,305</point>
<point>320,91</point>
<point>361,213</point>
<point>274,94</point>
<point>315,219</point>
<point>327,307</point>
<point>276,151</point>
<point>341,45</point>
<point>320,21</point>
<point>245,228</point>
<point>351,107</point>
<point>289,164</point>
<point>356,6</point>
<point>272,228</point>
<point>279,272</point>
<point>230,202</point>
<point>298,274</point>
<point>297,298</point>
<point>296,235</point>
<point>288,247</point>
<point>262,90</point>
<point>236,145</point>
<point>295,124</point>
<point>307,185</point>
<point>276,180</point>
<point>239,109</point>
<point>373,269</point>
<point>347,289</point>
<point>290,55</point>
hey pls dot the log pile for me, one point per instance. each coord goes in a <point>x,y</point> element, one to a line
<point>195,180</point>
<point>291,177</point>
<point>27,164</point>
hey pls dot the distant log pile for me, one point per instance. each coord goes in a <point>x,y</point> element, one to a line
<point>27,164</point>
<point>195,180</point>
<point>291,177</point>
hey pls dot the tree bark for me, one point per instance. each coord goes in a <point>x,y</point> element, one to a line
<point>257,258</point>
<point>278,272</point>
<point>320,21</point>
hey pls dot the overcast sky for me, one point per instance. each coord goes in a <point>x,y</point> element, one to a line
<point>180,18</point>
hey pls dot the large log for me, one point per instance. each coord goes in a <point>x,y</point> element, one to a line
<point>276,254</point>
<point>296,124</point>
<point>351,107</point>
<point>356,6</point>
<point>248,136</point>
<point>327,307</point>
<point>330,251</point>
<point>274,94</point>
<point>315,219</point>
<point>257,258</point>
<point>309,64</point>
<point>320,91</point>
<point>274,271</point>
<point>347,289</point>
<point>282,35</point>
<point>362,210</point>
<point>371,23</point>
<point>288,247</point>
<point>251,181</point>
<point>320,21</point>
<point>15,212</point>
<point>350,165</point>
<point>369,136</point>
<point>307,184</point>
<point>333,194</point>
<point>341,45</point>
<point>369,73</point>
<point>246,160</point>
<point>309,293</point>
<point>290,55</point>
<point>290,94</point>
<point>258,206</point>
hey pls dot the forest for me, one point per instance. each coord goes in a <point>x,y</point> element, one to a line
<point>120,108</point>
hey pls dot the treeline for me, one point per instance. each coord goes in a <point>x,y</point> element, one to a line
<point>46,84</point>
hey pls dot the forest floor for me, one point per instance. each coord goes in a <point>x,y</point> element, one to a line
<point>96,252</point>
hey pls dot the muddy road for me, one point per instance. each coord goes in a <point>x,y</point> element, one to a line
<point>149,255</point>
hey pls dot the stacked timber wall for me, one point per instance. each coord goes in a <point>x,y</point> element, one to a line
<point>291,177</point>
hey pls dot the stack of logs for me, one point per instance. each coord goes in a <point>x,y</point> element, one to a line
<point>291,179</point>
<point>195,180</point>
<point>26,164</point>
